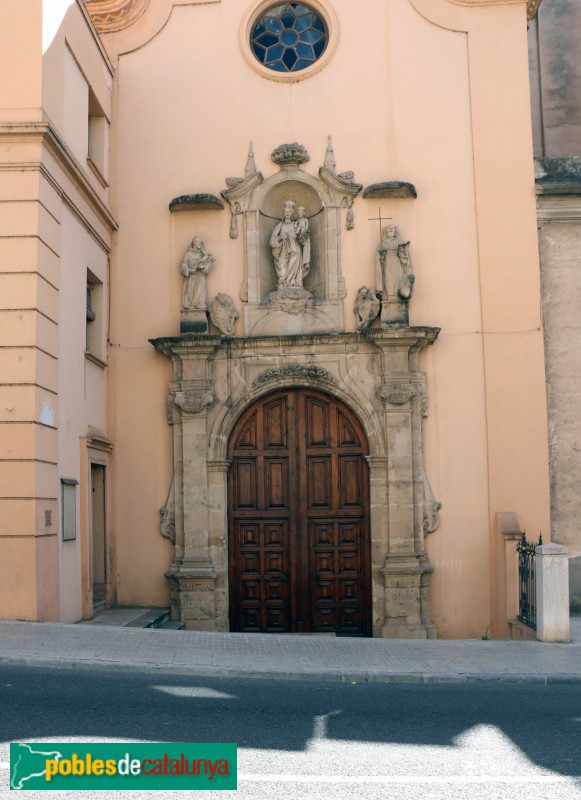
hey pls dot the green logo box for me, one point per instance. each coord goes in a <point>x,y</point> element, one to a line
<point>159,765</point>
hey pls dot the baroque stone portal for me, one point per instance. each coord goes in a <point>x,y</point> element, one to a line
<point>376,374</point>
<point>294,356</point>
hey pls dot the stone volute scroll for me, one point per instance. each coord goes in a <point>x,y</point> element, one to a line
<point>195,266</point>
<point>394,277</point>
<point>168,515</point>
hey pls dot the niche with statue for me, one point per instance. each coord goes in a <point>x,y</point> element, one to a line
<point>291,223</point>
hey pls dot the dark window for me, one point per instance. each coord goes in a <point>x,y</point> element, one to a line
<point>288,37</point>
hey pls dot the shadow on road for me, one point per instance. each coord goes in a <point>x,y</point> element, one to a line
<point>544,722</point>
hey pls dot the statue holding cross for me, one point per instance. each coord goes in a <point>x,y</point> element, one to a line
<point>394,276</point>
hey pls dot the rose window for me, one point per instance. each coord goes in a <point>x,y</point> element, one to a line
<point>288,37</point>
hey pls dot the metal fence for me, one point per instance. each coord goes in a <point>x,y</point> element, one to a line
<point>527,604</point>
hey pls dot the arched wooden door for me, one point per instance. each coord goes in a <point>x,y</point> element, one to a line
<point>298,517</point>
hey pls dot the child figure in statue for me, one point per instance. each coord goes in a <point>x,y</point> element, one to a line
<point>304,238</point>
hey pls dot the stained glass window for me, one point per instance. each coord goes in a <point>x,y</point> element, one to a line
<point>288,37</point>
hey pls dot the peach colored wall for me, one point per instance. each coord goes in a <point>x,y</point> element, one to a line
<point>21,58</point>
<point>440,99</point>
<point>82,398</point>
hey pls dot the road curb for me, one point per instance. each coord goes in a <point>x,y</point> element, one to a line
<point>327,675</point>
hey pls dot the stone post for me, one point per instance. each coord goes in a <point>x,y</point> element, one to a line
<point>552,593</point>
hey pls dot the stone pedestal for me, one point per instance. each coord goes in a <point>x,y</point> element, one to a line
<point>407,613</point>
<point>552,593</point>
<point>194,321</point>
<point>394,313</point>
<point>192,597</point>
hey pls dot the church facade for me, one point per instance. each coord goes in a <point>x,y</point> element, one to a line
<point>321,379</point>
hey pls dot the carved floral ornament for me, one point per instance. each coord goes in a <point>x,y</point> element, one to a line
<point>193,402</point>
<point>296,372</point>
<point>399,393</point>
<point>114,15</point>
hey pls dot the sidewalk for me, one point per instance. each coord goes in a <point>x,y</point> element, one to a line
<point>290,657</point>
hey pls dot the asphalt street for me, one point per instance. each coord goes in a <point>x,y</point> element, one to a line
<point>316,739</point>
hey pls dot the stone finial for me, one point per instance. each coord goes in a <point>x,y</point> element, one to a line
<point>250,163</point>
<point>286,154</point>
<point>330,162</point>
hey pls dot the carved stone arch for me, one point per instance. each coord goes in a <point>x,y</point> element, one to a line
<point>229,414</point>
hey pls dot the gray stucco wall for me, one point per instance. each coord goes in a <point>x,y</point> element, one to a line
<point>555,67</point>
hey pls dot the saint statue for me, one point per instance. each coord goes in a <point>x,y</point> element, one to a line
<point>291,247</point>
<point>394,275</point>
<point>196,264</point>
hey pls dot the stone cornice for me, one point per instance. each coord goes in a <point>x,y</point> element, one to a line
<point>110,16</point>
<point>449,13</point>
<point>532,5</point>
<point>416,337</point>
<point>44,133</point>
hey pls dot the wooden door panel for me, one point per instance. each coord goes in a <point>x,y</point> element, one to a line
<point>245,483</point>
<point>348,562</point>
<point>319,482</point>
<point>323,533</point>
<point>324,564</point>
<point>348,533</point>
<point>277,485</point>
<point>349,592</point>
<point>349,621</point>
<point>317,423</point>
<point>350,482</point>
<point>324,617</point>
<point>263,569</point>
<point>275,418</point>
<point>346,436</point>
<point>247,436</point>
<point>297,494</point>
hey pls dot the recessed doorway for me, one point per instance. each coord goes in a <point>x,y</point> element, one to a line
<point>298,489</point>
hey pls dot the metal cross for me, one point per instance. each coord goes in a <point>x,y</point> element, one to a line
<point>380,219</point>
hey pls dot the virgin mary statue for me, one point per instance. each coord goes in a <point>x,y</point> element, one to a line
<point>286,250</point>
